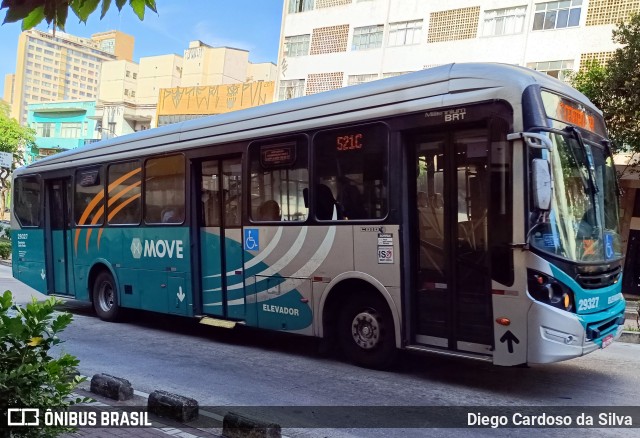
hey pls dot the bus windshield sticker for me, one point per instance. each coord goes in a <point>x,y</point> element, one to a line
<point>279,155</point>
<point>550,241</point>
<point>90,178</point>
<point>251,239</point>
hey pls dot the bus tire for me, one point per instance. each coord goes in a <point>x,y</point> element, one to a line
<point>366,332</point>
<point>105,297</point>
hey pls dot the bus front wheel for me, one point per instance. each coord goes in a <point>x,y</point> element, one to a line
<point>105,297</point>
<point>366,332</point>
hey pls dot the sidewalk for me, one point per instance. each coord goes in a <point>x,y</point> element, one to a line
<point>206,425</point>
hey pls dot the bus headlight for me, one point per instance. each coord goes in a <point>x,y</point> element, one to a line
<point>549,290</point>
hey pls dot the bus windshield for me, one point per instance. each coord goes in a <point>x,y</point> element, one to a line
<point>582,224</point>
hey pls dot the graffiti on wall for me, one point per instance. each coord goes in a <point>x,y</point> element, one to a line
<point>216,99</point>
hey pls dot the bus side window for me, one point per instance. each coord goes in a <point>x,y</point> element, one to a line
<point>352,163</point>
<point>123,182</point>
<point>279,180</point>
<point>164,190</point>
<point>27,201</point>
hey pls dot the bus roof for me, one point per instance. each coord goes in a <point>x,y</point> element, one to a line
<point>443,86</point>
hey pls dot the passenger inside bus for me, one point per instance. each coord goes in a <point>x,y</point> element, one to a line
<point>326,207</point>
<point>269,211</point>
<point>350,200</point>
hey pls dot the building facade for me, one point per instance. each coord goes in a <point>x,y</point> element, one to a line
<point>166,89</point>
<point>60,126</point>
<point>60,67</point>
<point>328,44</point>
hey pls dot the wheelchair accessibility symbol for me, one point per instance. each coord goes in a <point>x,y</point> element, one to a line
<point>608,246</point>
<point>251,239</point>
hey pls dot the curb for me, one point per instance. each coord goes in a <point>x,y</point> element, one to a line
<point>182,411</point>
<point>629,337</point>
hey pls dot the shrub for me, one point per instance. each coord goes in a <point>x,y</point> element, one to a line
<point>5,249</point>
<point>29,376</point>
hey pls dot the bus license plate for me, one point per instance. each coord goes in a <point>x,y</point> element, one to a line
<point>608,340</point>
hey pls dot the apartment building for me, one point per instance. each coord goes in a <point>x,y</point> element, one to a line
<point>166,89</point>
<point>328,44</point>
<point>52,67</point>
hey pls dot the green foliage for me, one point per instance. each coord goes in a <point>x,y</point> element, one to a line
<point>615,87</point>
<point>55,12</point>
<point>5,249</point>
<point>29,376</point>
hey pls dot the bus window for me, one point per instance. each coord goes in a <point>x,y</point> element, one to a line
<point>123,182</point>
<point>27,201</point>
<point>89,197</point>
<point>279,179</point>
<point>164,190</point>
<point>352,163</point>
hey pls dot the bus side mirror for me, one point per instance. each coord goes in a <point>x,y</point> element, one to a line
<point>541,178</point>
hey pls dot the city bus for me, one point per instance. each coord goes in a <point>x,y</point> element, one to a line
<point>469,210</point>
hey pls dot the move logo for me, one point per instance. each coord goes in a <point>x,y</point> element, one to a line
<point>157,248</point>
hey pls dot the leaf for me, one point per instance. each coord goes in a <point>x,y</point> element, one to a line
<point>120,4</point>
<point>61,17</point>
<point>18,12</point>
<point>151,4</point>
<point>86,8</point>
<point>33,19</point>
<point>138,7</point>
<point>105,7</point>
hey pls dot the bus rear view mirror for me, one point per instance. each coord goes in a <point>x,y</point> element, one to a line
<point>541,178</point>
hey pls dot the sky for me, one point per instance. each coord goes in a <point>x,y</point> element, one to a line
<point>252,25</point>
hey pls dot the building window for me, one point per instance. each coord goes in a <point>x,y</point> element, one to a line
<point>507,21</point>
<point>557,69</point>
<point>135,75</point>
<point>297,45</point>
<point>70,130</point>
<point>557,15</point>
<point>368,37</point>
<point>405,33</point>
<point>360,79</point>
<point>290,89</point>
<point>296,6</point>
<point>45,129</point>
<point>392,74</point>
<point>127,73</point>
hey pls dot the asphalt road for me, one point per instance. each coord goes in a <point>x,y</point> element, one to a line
<point>255,368</point>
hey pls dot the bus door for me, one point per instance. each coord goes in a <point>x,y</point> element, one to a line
<point>219,222</point>
<point>452,294</point>
<point>59,241</point>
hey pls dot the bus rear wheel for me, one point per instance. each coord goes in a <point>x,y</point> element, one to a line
<point>105,297</point>
<point>366,333</point>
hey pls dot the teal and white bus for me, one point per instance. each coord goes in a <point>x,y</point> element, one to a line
<point>469,210</point>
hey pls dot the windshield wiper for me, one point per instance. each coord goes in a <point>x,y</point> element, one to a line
<point>589,162</point>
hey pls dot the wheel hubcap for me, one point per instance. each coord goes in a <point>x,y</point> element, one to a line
<point>106,297</point>
<point>365,330</point>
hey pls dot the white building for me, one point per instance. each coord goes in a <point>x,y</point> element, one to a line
<point>328,44</point>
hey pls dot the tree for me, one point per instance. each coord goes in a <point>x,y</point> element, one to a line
<point>13,138</point>
<point>55,12</point>
<point>615,87</point>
